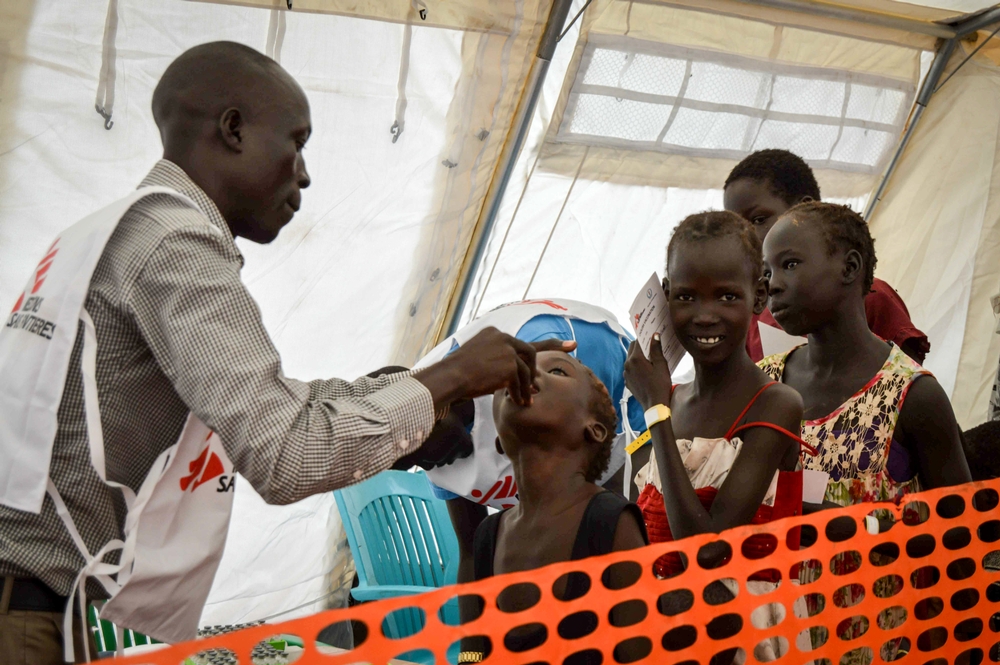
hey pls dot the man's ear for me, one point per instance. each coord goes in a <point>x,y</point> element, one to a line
<point>499,447</point>
<point>231,129</point>
<point>760,295</point>
<point>665,285</point>
<point>596,432</point>
<point>854,266</point>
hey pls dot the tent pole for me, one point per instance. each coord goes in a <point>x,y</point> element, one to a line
<point>831,10</point>
<point>941,59</point>
<point>978,22</point>
<point>505,167</point>
<point>962,29</point>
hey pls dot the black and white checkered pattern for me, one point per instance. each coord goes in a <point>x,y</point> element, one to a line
<point>177,331</point>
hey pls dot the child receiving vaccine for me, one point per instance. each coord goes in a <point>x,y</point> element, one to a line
<point>760,189</point>
<point>559,445</point>
<point>723,446</point>
<point>882,425</point>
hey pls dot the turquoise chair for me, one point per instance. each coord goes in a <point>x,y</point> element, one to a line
<point>403,543</point>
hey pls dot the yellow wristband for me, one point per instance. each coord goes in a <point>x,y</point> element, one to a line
<point>643,439</point>
<point>656,414</point>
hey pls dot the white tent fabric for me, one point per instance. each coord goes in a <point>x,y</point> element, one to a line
<point>938,233</point>
<point>647,106</point>
<point>355,282</point>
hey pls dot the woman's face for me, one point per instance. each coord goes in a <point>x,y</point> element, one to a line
<point>712,296</point>
<point>560,398</point>
<point>802,275</point>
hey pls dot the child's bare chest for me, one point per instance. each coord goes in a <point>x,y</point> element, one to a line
<point>822,395</point>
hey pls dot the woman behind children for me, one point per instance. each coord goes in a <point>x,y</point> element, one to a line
<point>723,443</point>
<point>559,446</point>
<point>882,425</point>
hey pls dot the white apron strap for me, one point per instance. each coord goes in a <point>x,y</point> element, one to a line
<point>93,566</point>
<point>630,436</point>
<point>91,406</point>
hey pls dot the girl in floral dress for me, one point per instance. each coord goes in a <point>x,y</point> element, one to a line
<point>882,425</point>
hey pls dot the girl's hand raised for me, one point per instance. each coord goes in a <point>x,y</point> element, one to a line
<point>648,380</point>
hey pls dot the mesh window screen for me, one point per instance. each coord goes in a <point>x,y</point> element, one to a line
<point>646,96</point>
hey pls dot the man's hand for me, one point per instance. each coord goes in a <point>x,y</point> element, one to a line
<point>486,363</point>
<point>648,380</point>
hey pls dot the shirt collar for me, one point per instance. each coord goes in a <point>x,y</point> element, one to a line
<point>168,174</point>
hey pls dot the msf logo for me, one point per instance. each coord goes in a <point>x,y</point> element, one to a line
<point>505,488</point>
<point>40,273</point>
<point>207,466</point>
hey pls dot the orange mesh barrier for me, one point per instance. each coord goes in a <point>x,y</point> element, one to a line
<point>926,591</point>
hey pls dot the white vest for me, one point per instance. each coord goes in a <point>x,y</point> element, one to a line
<point>176,525</point>
<point>487,476</point>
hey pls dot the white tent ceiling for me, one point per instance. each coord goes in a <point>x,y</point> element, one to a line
<point>646,107</point>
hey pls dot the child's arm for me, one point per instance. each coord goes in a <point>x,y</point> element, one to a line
<point>928,429</point>
<point>763,451</point>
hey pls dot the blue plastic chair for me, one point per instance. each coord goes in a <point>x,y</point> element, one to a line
<point>403,543</point>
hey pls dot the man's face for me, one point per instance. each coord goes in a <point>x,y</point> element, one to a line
<point>754,201</point>
<point>272,170</point>
<point>803,275</point>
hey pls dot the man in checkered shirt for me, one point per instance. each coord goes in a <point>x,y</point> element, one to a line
<point>177,331</point>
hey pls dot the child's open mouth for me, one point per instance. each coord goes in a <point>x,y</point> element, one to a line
<point>708,341</point>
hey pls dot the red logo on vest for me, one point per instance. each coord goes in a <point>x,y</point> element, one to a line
<point>507,490</point>
<point>40,272</point>
<point>203,469</point>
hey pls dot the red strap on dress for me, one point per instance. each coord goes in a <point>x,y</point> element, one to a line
<point>736,427</point>
<point>729,432</point>
<point>777,428</point>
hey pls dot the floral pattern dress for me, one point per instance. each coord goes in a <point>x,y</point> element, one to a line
<point>853,444</point>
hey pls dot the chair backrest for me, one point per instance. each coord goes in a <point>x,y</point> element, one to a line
<point>398,531</point>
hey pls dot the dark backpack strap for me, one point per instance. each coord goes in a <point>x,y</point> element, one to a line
<point>485,546</point>
<point>596,534</point>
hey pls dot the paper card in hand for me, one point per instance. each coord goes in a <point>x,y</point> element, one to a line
<point>649,315</point>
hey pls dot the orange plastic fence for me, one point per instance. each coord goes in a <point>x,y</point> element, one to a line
<point>919,592</point>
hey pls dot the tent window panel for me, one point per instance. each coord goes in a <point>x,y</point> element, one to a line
<point>635,71</point>
<point>811,142</point>
<point>705,129</point>
<point>862,146</point>
<point>639,95</point>
<point>808,96</point>
<point>712,82</point>
<point>875,104</point>
<point>598,115</point>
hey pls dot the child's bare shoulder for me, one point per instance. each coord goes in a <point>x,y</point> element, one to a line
<point>782,398</point>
